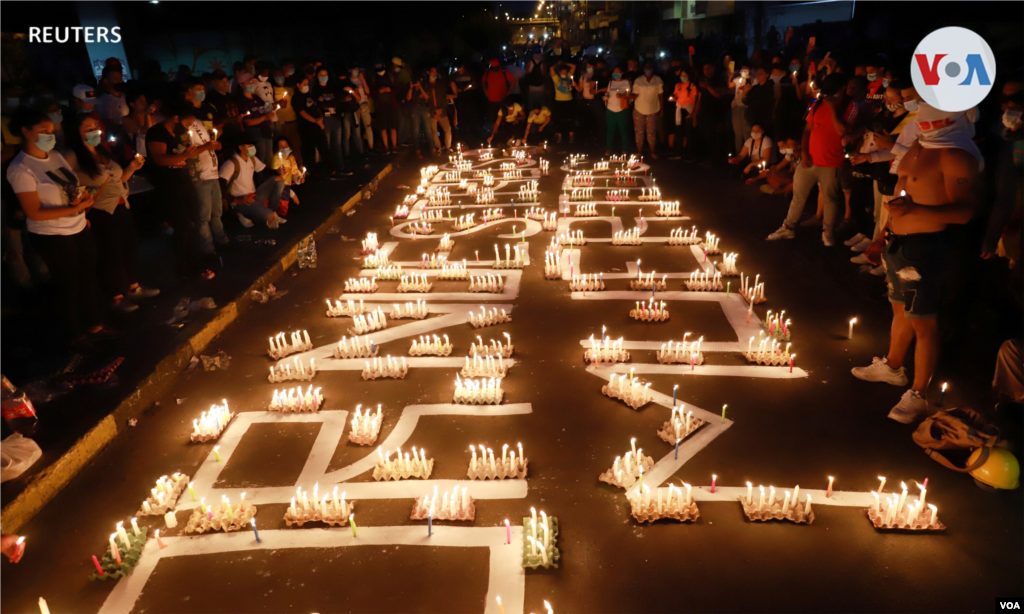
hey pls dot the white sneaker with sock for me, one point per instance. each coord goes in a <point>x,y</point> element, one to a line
<point>244,221</point>
<point>828,239</point>
<point>880,371</point>
<point>862,246</point>
<point>855,239</point>
<point>878,271</point>
<point>912,406</point>
<point>859,259</point>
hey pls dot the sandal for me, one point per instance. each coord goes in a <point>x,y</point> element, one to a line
<point>207,275</point>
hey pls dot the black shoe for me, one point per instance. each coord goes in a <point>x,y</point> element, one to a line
<point>105,333</point>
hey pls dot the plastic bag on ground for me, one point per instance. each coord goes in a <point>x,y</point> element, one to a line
<point>17,454</point>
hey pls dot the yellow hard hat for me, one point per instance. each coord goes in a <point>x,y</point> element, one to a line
<point>994,468</point>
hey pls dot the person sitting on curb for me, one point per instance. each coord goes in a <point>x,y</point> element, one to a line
<point>780,177</point>
<point>759,149</point>
<point>251,203</point>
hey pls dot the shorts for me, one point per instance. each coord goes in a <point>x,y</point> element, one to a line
<point>385,118</point>
<point>914,267</point>
<point>846,178</point>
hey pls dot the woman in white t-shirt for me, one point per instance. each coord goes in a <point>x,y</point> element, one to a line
<point>760,150</point>
<point>55,205</point>
<point>649,94</point>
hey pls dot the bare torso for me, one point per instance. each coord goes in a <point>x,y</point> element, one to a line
<point>920,174</point>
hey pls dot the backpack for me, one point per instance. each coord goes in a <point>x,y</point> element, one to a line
<point>226,197</point>
<point>956,429</point>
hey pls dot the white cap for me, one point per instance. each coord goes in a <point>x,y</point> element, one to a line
<point>84,92</point>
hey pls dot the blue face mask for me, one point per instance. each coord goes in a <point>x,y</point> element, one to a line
<point>250,88</point>
<point>279,80</point>
<point>910,105</point>
<point>200,95</point>
<point>250,151</point>
<point>872,76</point>
<point>287,151</point>
<point>46,141</point>
<point>322,80</point>
<point>794,67</point>
<point>57,118</point>
<point>92,138</point>
<point>616,75</point>
<point>885,83</point>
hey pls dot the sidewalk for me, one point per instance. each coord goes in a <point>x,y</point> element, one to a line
<point>75,426</point>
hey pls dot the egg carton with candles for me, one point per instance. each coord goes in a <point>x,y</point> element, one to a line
<point>788,508</point>
<point>550,223</point>
<point>402,468</point>
<point>586,210</point>
<point>489,467</point>
<point>495,348</point>
<point>539,538</point>
<point>296,370</point>
<point>339,309</point>
<point>897,512</point>
<point>431,347</point>
<point>633,393</point>
<point>123,554</point>
<point>484,173</point>
<point>617,196</point>
<point>491,215</point>
<point>480,366</point>
<point>293,400</point>
<point>528,193</point>
<point>409,200</point>
<point>454,271</point>
<point>463,166</point>
<point>777,326</point>
<point>464,222</point>
<point>571,238</point>
<point>628,469</point>
<point>333,511</point>
<point>224,517</point>
<point>365,427</point>
<point>392,368</point>
<point>356,347</point>
<point>513,259</point>
<point>419,228</point>
<point>414,283</point>
<point>649,195</point>
<point>605,351</point>
<point>702,281</point>
<point>402,211</point>
<point>428,172</point>
<point>752,292</point>
<point>433,216</point>
<point>488,318</point>
<point>451,506</point>
<point>477,391</point>
<point>536,214</point>
<point>433,261</point>
<point>376,260</point>
<point>488,181</point>
<point>370,243</point>
<point>600,165</point>
<point>575,159</point>
<point>727,267</point>
<point>368,322</point>
<point>281,346</point>
<point>446,244</point>
<point>410,311</point>
<point>440,198</point>
<point>361,285</point>
<point>681,352</point>
<point>625,180</point>
<point>506,166</point>
<point>451,177</point>
<point>668,209</point>
<point>668,502</point>
<point>679,426</point>
<point>710,243</point>
<point>513,174</point>
<point>651,311</point>
<point>679,236</point>
<point>648,282</point>
<point>545,166</point>
<point>581,194</point>
<point>552,266</point>
<point>164,495</point>
<point>211,424</point>
<point>486,283</point>
<point>485,196</point>
<point>769,354</point>
<point>391,272</point>
<point>586,283</point>
<point>627,237</point>
<point>472,187</point>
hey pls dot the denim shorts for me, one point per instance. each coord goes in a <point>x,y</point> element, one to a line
<point>914,267</point>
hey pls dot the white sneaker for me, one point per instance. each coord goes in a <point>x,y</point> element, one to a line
<point>862,246</point>
<point>281,220</point>
<point>878,271</point>
<point>244,221</point>
<point>911,407</point>
<point>272,224</point>
<point>880,371</point>
<point>855,239</point>
<point>859,259</point>
<point>784,232</point>
<point>828,239</point>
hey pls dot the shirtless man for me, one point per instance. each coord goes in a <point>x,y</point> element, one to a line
<point>938,186</point>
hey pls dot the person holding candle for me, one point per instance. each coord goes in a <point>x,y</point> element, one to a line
<point>12,546</point>
<point>250,202</point>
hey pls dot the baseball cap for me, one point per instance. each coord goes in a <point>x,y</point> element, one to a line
<point>397,61</point>
<point>84,92</point>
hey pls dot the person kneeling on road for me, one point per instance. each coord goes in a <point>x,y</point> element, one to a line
<point>251,204</point>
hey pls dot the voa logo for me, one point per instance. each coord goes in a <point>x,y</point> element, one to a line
<point>953,69</point>
<point>1009,605</point>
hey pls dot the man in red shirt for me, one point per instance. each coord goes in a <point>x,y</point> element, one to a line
<point>497,83</point>
<point>821,162</point>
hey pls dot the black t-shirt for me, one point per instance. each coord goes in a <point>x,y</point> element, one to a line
<point>206,114</point>
<point>256,108</point>
<point>177,142</point>
<point>760,103</point>
<point>382,99</point>
<point>329,99</point>
<point>306,102</point>
<point>224,106</point>
<point>348,102</point>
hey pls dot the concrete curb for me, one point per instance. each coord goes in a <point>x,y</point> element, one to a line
<point>45,485</point>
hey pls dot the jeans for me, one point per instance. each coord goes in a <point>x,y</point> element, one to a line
<point>740,128</point>
<point>446,126</point>
<point>350,124</point>
<point>72,263</point>
<point>420,121</point>
<point>209,227</point>
<point>117,249</point>
<point>804,180</point>
<point>617,122</point>
<point>269,192</point>
<point>333,131</point>
<point>313,140</point>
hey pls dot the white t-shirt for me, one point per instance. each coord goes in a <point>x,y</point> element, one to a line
<point>55,183</point>
<point>760,149</point>
<point>647,92</point>
<point>244,183</point>
<point>112,108</point>
<point>617,90</point>
<point>589,84</point>
<point>265,92</point>
<point>207,159</point>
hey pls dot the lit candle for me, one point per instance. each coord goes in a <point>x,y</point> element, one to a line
<point>43,608</point>
<point>508,537</point>
<point>852,322</point>
<point>942,395</point>
<point>714,478</point>
<point>352,523</point>
<point>159,542</point>
<point>935,513</point>
<point>501,608</point>
<point>828,493</point>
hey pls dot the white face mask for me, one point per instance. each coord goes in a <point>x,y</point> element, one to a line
<point>1012,119</point>
<point>893,107</point>
<point>304,89</point>
<point>756,135</point>
<point>262,78</point>
<point>785,151</point>
<point>910,105</point>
